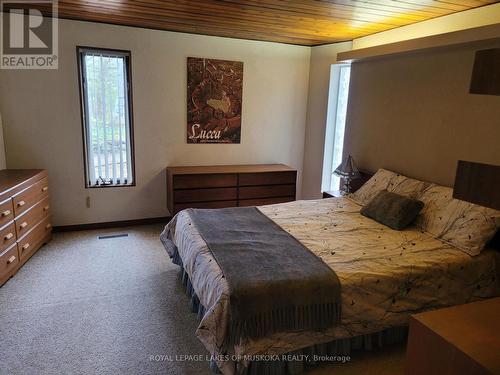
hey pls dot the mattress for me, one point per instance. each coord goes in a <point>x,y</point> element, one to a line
<point>385,275</point>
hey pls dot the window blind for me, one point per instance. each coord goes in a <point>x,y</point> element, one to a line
<point>106,113</point>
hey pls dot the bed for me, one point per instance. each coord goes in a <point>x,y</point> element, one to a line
<point>385,275</point>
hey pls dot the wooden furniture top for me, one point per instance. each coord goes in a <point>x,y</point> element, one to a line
<point>248,168</point>
<point>472,328</point>
<point>13,181</point>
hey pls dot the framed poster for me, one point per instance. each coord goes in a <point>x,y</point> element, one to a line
<point>214,93</point>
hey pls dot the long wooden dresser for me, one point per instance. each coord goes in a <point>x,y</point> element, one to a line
<point>229,186</point>
<point>24,217</point>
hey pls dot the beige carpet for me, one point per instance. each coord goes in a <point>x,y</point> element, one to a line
<point>87,306</point>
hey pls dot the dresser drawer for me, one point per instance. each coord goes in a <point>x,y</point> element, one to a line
<point>7,236</point>
<point>9,260</point>
<point>30,218</point>
<point>203,195</point>
<point>31,195</point>
<point>215,204</point>
<point>6,212</point>
<point>270,191</point>
<point>34,238</point>
<point>264,201</point>
<point>204,181</point>
<point>268,178</point>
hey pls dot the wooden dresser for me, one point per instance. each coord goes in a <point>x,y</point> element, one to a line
<point>229,186</point>
<point>24,217</point>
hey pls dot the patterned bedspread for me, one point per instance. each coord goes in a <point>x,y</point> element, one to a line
<point>385,275</point>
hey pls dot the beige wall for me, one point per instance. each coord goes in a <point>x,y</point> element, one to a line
<point>322,57</point>
<point>281,95</point>
<point>412,113</point>
<point>41,115</point>
<point>319,80</point>
<point>3,163</point>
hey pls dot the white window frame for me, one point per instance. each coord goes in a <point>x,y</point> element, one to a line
<point>329,181</point>
<point>91,179</point>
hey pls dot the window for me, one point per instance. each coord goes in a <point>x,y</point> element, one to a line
<point>107,117</point>
<point>335,124</point>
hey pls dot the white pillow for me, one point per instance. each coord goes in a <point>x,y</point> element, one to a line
<point>390,181</point>
<point>378,182</point>
<point>462,224</point>
<point>409,187</point>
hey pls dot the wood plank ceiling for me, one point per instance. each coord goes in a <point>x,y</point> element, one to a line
<point>303,22</point>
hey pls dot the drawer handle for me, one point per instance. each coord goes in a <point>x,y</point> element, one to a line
<point>25,246</point>
<point>48,226</point>
<point>6,213</point>
<point>11,259</point>
<point>45,188</point>
<point>8,236</point>
<point>46,208</point>
<point>24,224</point>
<point>21,203</point>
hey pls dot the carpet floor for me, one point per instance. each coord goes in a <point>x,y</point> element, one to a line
<point>84,305</point>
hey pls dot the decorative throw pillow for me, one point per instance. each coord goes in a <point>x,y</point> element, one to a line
<point>393,210</point>
<point>462,224</point>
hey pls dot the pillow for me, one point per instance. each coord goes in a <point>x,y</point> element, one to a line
<point>378,182</point>
<point>393,210</point>
<point>390,181</point>
<point>462,224</point>
<point>409,187</point>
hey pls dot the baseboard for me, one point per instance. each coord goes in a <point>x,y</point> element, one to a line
<point>112,224</point>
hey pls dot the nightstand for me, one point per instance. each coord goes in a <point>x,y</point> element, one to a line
<point>332,194</point>
<point>455,340</point>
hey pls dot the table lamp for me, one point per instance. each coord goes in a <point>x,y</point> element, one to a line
<point>348,171</point>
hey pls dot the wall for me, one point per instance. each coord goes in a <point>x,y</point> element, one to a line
<point>319,79</point>
<point>322,57</point>
<point>412,113</point>
<point>485,15</point>
<point>3,163</point>
<point>41,115</point>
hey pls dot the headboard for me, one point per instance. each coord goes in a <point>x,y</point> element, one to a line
<point>478,183</point>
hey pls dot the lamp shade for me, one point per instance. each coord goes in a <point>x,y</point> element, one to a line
<point>347,169</point>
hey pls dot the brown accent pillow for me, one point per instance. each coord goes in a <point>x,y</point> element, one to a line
<point>391,209</point>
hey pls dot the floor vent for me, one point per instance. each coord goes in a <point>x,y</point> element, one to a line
<point>107,236</point>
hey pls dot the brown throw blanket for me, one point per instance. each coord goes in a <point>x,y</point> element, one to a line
<point>276,284</point>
